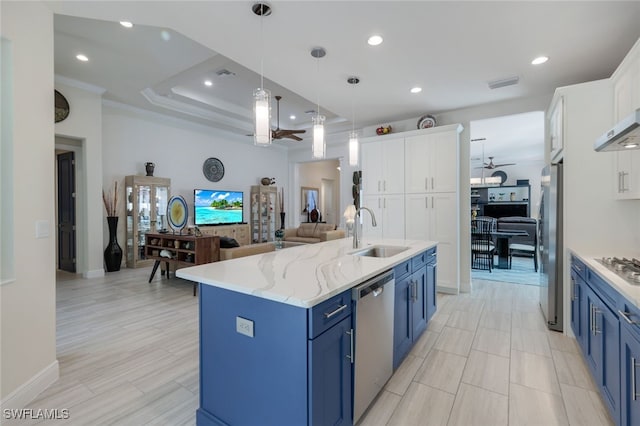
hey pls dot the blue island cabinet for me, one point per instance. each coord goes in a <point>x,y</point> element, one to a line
<point>268,363</point>
<point>415,301</point>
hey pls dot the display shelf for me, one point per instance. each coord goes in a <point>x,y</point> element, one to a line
<point>146,202</point>
<point>264,211</point>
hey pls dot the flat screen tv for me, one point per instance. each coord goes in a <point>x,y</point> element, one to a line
<point>212,207</point>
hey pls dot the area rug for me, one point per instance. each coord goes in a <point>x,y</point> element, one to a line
<point>521,272</point>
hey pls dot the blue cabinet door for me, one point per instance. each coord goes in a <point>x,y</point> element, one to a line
<point>577,308</point>
<point>330,376</point>
<point>402,317</point>
<point>630,378</point>
<point>593,342</point>
<point>607,326</point>
<point>419,302</point>
<point>432,279</point>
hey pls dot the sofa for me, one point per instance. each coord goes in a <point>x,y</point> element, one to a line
<point>230,252</point>
<point>310,233</point>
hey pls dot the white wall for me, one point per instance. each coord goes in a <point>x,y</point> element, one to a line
<point>84,124</point>
<point>178,148</point>
<point>27,305</point>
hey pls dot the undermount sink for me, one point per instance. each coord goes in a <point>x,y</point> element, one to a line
<point>380,251</point>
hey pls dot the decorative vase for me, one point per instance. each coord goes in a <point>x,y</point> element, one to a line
<point>113,252</point>
<point>282,220</point>
<point>149,168</point>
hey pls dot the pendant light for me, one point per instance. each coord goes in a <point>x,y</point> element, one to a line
<point>353,136</point>
<point>318,147</point>
<point>261,96</point>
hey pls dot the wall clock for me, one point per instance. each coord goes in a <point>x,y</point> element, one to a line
<point>213,169</point>
<point>502,175</point>
<point>61,107</point>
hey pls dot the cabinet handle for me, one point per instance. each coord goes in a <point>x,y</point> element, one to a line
<point>624,187</point>
<point>573,289</point>
<point>634,395</point>
<point>339,309</point>
<point>432,187</point>
<point>378,186</point>
<point>626,315</point>
<point>619,186</point>
<point>596,311</point>
<point>591,317</point>
<point>426,184</point>
<point>350,356</point>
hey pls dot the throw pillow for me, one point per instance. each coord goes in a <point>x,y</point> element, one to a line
<point>226,242</point>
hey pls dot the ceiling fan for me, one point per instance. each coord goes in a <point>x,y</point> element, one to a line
<point>279,133</point>
<point>491,166</point>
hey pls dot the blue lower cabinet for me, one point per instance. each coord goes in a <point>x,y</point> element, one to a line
<point>419,303</point>
<point>415,303</point>
<point>630,376</point>
<point>432,279</point>
<point>578,323</point>
<point>330,376</point>
<point>602,343</point>
<point>402,317</point>
<point>268,363</point>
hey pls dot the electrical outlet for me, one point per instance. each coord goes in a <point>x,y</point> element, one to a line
<point>244,326</point>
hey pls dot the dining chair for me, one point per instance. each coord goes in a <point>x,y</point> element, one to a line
<point>522,246</point>
<point>482,247</point>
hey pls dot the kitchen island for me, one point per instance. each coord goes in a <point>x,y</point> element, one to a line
<point>276,335</point>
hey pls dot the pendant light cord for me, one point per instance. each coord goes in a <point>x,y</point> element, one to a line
<point>262,46</point>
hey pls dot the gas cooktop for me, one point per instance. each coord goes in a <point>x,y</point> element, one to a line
<point>628,269</point>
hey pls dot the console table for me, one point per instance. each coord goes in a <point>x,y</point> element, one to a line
<point>184,250</point>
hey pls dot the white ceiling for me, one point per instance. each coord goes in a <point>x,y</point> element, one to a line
<point>451,49</point>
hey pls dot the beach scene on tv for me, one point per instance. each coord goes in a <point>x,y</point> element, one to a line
<point>217,207</point>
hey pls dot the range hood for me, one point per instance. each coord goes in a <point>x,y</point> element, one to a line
<point>624,135</point>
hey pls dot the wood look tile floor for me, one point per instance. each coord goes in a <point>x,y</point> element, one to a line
<point>128,354</point>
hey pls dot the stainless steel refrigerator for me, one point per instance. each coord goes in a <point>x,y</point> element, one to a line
<point>551,246</point>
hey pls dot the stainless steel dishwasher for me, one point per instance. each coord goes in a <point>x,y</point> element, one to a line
<point>373,339</point>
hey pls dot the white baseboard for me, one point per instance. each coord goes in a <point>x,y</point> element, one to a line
<point>28,391</point>
<point>447,290</point>
<point>96,273</point>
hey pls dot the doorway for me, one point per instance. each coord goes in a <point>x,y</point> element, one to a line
<point>66,211</point>
<point>509,149</point>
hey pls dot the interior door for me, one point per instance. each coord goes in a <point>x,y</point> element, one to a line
<point>66,212</point>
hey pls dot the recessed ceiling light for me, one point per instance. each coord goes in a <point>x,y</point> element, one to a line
<point>126,24</point>
<point>292,117</point>
<point>416,89</point>
<point>374,40</point>
<point>208,83</point>
<point>165,35</point>
<point>82,57</point>
<point>539,60</point>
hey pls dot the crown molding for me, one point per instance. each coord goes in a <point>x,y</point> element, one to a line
<point>79,84</point>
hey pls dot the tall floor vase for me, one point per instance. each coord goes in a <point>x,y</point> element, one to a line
<point>113,252</point>
<point>281,220</point>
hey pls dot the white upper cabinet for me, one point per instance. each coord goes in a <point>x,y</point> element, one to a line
<point>626,99</point>
<point>431,162</point>
<point>383,167</point>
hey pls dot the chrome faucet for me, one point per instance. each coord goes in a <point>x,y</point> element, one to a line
<point>356,236</point>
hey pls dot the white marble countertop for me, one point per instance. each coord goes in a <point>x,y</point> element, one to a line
<point>629,291</point>
<point>304,275</point>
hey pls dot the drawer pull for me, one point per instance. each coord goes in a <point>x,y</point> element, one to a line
<point>626,315</point>
<point>340,308</point>
<point>350,356</point>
